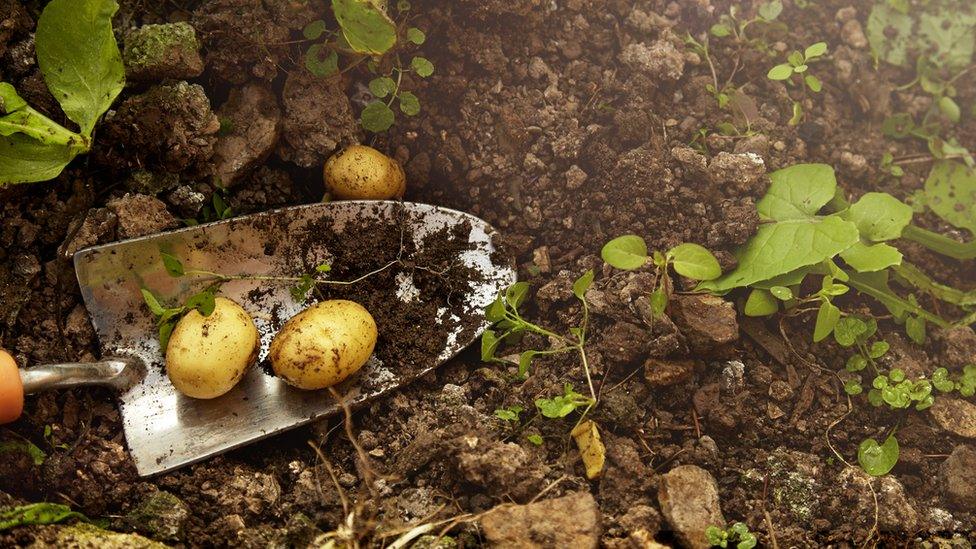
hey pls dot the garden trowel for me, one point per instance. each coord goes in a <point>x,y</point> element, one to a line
<point>165,429</point>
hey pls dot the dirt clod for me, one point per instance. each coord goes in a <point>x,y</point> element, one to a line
<point>251,123</point>
<point>959,477</point>
<point>572,521</point>
<point>689,500</point>
<point>139,215</point>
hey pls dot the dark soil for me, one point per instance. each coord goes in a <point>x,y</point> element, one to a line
<point>563,124</point>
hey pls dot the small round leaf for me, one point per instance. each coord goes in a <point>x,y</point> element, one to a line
<point>626,252</point>
<point>422,66</point>
<point>416,35</point>
<point>878,459</point>
<point>409,104</point>
<point>377,117</point>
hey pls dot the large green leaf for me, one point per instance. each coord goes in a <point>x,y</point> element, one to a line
<point>889,33</point>
<point>17,117</point>
<point>880,216</point>
<point>25,160</point>
<point>365,26</point>
<point>951,34</point>
<point>865,258</point>
<point>79,58</point>
<point>950,191</point>
<point>780,248</point>
<point>798,192</point>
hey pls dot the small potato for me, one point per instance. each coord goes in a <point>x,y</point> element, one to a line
<point>207,355</point>
<point>324,344</point>
<point>364,173</point>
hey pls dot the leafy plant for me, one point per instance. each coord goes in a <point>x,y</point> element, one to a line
<point>367,33</point>
<point>217,210</point>
<point>629,252</point>
<point>37,513</point>
<point>562,405</point>
<point>510,414</point>
<point>734,26</point>
<point>737,534</point>
<point>82,67</point>
<point>25,447</point>
<point>796,68</point>
<point>941,30</point>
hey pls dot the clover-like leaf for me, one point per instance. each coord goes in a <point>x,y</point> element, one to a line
<point>422,66</point>
<point>377,117</point>
<point>878,459</point>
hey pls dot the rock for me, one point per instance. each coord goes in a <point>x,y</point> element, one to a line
<point>87,536</point>
<point>707,322</point>
<point>955,415</point>
<point>169,128</point>
<point>665,373</point>
<point>187,202</point>
<point>139,215</point>
<point>575,177</point>
<point>959,346</point>
<point>98,226</point>
<point>743,172</point>
<point>160,515</point>
<point>896,512</point>
<point>780,390</point>
<point>252,493</point>
<point>959,478</point>
<point>624,342</point>
<point>689,501</point>
<point>502,468</point>
<point>251,124</point>
<point>158,52</point>
<point>660,61</point>
<point>569,522</point>
<point>692,160</point>
<point>318,119</point>
<point>146,182</point>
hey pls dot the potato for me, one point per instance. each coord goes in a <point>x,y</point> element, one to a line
<point>364,173</point>
<point>207,355</point>
<point>11,389</point>
<point>324,344</point>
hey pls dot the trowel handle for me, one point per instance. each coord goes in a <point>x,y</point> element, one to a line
<point>119,373</point>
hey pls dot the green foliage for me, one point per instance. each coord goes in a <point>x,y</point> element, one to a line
<point>365,26</point>
<point>878,459</point>
<point>627,252</point>
<point>217,210</point>
<point>82,67</point>
<point>25,447</point>
<point>733,25</point>
<point>950,192</point>
<point>942,30</point>
<point>534,439</point>
<point>510,414</point>
<point>965,383</point>
<point>562,405</point>
<point>737,535</point>
<point>796,69</point>
<point>36,513</point>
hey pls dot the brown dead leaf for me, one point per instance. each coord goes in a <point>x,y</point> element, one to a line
<point>591,448</point>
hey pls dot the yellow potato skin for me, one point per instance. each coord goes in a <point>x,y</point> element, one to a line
<point>359,172</point>
<point>324,344</point>
<point>207,356</point>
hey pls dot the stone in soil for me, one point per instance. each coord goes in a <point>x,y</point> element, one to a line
<point>570,522</point>
<point>250,125</point>
<point>169,128</point>
<point>666,373</point>
<point>743,172</point>
<point>157,52</point>
<point>660,61</point>
<point>501,468</point>
<point>707,322</point>
<point>959,346</point>
<point>14,22</point>
<point>955,415</point>
<point>896,511</point>
<point>97,227</point>
<point>318,119</point>
<point>160,515</point>
<point>140,215</point>
<point>689,501</point>
<point>959,478</point>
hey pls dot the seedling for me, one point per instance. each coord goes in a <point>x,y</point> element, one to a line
<point>367,34</point>
<point>878,459</point>
<point>217,210</point>
<point>562,405</point>
<point>733,25</point>
<point>82,67</point>
<point>737,535</point>
<point>37,513</point>
<point>629,252</point>
<point>796,68</point>
<point>510,414</point>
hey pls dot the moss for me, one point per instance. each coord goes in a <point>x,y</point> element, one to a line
<point>87,536</point>
<point>170,50</point>
<point>161,515</point>
<point>430,541</point>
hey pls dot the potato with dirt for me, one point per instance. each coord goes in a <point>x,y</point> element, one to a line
<point>324,344</point>
<point>359,172</point>
<point>207,355</point>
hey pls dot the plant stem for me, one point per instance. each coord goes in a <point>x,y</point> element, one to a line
<point>940,244</point>
<point>289,279</point>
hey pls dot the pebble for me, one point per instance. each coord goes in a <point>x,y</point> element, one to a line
<point>689,501</point>
<point>572,521</point>
<point>959,477</point>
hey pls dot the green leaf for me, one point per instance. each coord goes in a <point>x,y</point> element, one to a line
<point>25,447</point>
<point>377,117</point>
<point>694,261</point>
<point>516,293</point>
<point>626,252</point>
<point>314,30</point>
<point>659,302</point>
<point>166,330</point>
<point>36,513</point>
<point>880,216</point>
<point>828,317</point>
<point>798,192</point>
<point>152,302</point>
<point>813,83</point>
<point>760,303</point>
<point>770,10</point>
<point>950,191</point>
<point>915,329</point>
<point>562,405</point>
<point>489,344</point>
<point>780,72</point>
<point>172,264</point>
<point>365,26</point>
<point>20,118</point>
<point>780,248</point>
<point>815,50</point>
<point>79,59</point>
<point>866,259</point>
<point>26,160</point>
<point>889,32</point>
<point>847,331</point>
<point>534,439</point>
<point>323,268</point>
<point>852,387</point>
<point>950,108</point>
<point>382,86</point>
<point>525,362</point>
<point>409,104</point>
<point>582,284</point>
<point>856,363</point>
<point>422,66</point>
<point>878,349</point>
<point>203,302</point>
<point>416,36</point>
<point>495,311</point>
<point>781,293</point>
<point>950,34</point>
<point>321,61</point>
<point>720,30</point>
<point>878,459</point>
<point>509,414</point>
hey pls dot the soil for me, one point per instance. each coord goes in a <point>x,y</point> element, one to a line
<point>563,125</point>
